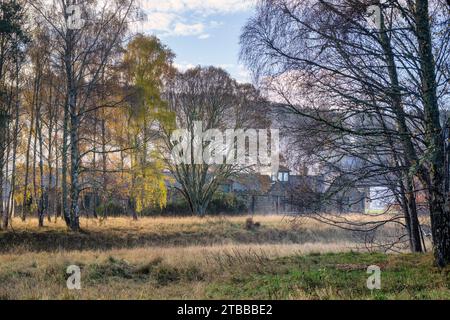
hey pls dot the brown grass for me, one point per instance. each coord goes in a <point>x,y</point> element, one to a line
<point>41,275</point>
<point>158,258</point>
<point>116,233</point>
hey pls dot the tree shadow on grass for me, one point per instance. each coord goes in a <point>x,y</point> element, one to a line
<point>54,240</point>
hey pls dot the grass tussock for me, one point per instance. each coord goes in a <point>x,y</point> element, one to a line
<point>232,274</point>
<point>209,258</point>
<point>176,231</point>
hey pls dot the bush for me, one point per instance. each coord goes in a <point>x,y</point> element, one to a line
<point>110,209</point>
<point>227,203</point>
<point>173,208</point>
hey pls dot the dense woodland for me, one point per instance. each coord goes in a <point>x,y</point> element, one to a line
<point>73,107</point>
<point>91,109</point>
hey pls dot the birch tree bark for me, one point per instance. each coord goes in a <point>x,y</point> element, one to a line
<point>438,200</point>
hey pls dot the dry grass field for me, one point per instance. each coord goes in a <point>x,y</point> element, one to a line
<point>116,233</point>
<point>207,258</point>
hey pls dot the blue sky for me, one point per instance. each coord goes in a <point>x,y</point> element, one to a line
<point>204,32</point>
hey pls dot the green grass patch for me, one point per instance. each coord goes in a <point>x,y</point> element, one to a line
<point>338,276</point>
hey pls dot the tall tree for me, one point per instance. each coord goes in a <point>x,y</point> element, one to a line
<point>359,83</point>
<point>88,45</point>
<point>148,66</point>
<point>12,40</point>
<point>434,136</point>
<point>204,99</point>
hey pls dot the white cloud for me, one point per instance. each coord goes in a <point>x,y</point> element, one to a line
<point>243,74</point>
<point>199,6</point>
<point>226,65</point>
<point>169,24</point>
<point>187,17</point>
<point>184,66</point>
<point>183,29</point>
<point>204,36</point>
<point>159,21</point>
<point>215,24</point>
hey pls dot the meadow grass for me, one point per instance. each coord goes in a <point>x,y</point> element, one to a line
<point>124,232</point>
<point>207,258</point>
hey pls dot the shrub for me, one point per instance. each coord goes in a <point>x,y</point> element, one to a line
<point>173,208</point>
<point>110,209</point>
<point>227,203</point>
<point>251,225</point>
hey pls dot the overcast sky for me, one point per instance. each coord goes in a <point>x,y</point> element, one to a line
<point>204,32</point>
